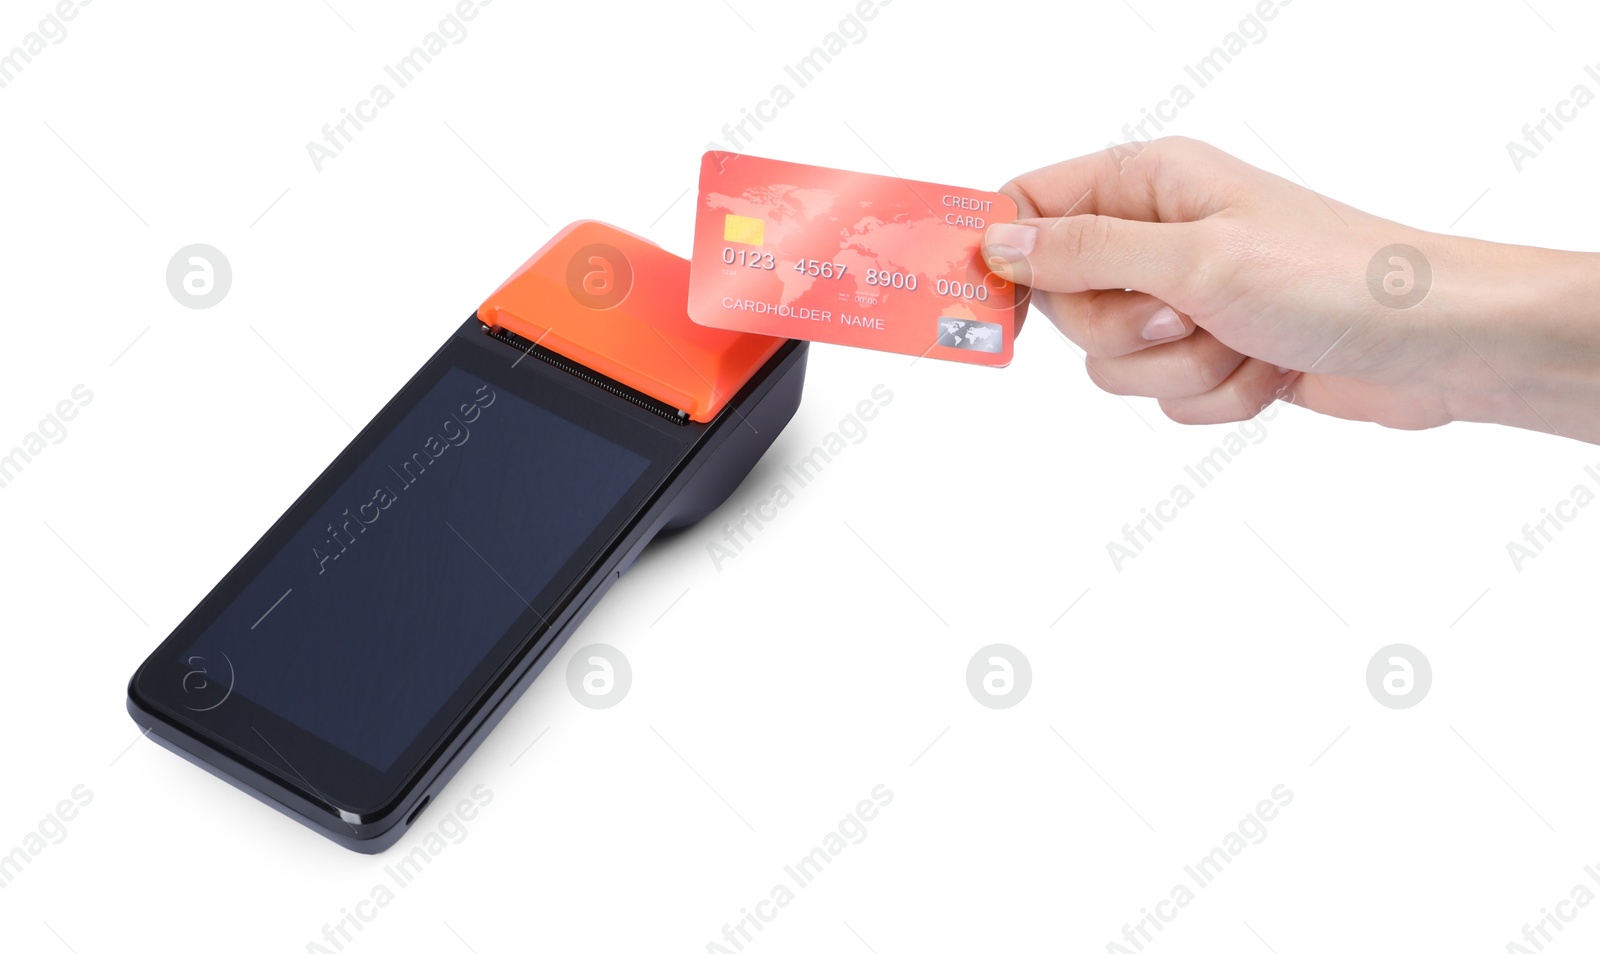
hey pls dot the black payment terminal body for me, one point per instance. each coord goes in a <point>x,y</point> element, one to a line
<point>349,664</point>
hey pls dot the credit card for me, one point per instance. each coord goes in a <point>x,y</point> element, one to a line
<point>851,258</point>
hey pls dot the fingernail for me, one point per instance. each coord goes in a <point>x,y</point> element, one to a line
<point>1006,248</point>
<point>1285,370</point>
<point>1162,325</point>
<point>1010,242</point>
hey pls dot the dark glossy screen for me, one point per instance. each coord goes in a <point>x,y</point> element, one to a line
<point>375,611</point>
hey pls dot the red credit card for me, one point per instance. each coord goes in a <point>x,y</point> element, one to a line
<point>797,251</point>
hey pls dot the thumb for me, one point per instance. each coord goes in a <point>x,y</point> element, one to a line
<point>1091,252</point>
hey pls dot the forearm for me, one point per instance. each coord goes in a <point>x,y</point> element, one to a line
<point>1526,329</point>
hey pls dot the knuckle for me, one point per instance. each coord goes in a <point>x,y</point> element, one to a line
<point>1194,371</point>
<point>1243,409</point>
<point>1183,146</point>
<point>1097,368</point>
<point>1204,369</point>
<point>1017,191</point>
<point>1180,411</point>
<point>1209,259</point>
<point>1184,154</point>
<point>1173,146</point>
<point>1087,236</point>
<point>1092,321</point>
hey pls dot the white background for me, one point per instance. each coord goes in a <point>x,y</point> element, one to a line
<point>830,656</point>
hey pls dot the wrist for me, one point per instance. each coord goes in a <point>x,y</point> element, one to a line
<point>1521,327</point>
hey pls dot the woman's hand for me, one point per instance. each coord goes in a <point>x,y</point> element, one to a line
<point>1192,277</point>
